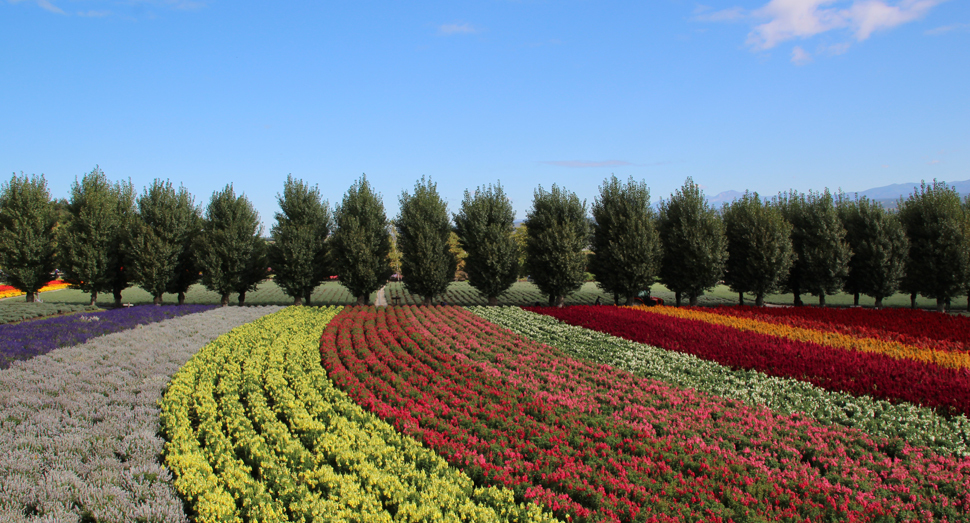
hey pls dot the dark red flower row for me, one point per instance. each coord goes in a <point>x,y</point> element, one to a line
<point>857,373</point>
<point>911,326</point>
<point>598,444</point>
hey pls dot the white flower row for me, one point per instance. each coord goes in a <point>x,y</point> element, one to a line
<point>917,425</point>
<point>79,426</point>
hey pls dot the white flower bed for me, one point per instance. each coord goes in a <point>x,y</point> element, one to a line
<point>79,426</point>
<point>918,425</point>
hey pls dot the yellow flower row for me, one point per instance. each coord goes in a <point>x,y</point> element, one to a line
<point>950,359</point>
<point>257,432</point>
<point>53,287</point>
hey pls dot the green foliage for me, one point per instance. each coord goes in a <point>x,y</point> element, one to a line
<point>485,227</point>
<point>360,245</point>
<point>12,312</point>
<point>694,246</point>
<point>94,234</point>
<point>167,224</point>
<point>626,244</point>
<point>298,254</point>
<point>521,235</point>
<point>230,250</point>
<point>423,231</point>
<point>879,248</point>
<point>938,262</point>
<point>818,241</point>
<point>27,233</point>
<point>759,246</point>
<point>558,232</point>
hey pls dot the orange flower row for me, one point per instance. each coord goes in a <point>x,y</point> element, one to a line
<point>49,287</point>
<point>949,359</point>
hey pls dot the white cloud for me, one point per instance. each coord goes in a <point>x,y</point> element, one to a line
<point>457,28</point>
<point>45,5</point>
<point>782,20</point>
<point>948,28</point>
<point>799,56</point>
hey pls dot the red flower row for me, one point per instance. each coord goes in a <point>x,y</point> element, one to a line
<point>598,444</point>
<point>857,373</point>
<point>913,327</point>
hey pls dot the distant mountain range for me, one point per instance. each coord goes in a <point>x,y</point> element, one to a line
<point>887,195</point>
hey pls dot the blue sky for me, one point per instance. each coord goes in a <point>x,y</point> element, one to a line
<point>767,96</point>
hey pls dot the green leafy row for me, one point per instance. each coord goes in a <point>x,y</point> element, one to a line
<point>14,311</point>
<point>257,432</point>
<point>918,425</point>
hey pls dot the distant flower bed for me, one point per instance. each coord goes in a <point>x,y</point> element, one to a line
<point>26,340</point>
<point>13,311</point>
<point>7,291</point>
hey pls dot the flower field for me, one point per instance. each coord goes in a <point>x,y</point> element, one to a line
<point>783,351</point>
<point>595,443</point>
<point>6,291</point>
<point>25,340</point>
<point>592,414</point>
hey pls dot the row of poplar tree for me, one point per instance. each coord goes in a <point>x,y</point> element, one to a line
<point>105,239</point>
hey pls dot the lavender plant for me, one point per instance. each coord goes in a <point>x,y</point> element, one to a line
<point>26,340</point>
<point>79,426</point>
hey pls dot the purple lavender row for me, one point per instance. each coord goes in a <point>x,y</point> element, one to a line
<point>25,340</point>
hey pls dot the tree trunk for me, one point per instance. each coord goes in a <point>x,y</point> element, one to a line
<point>157,300</point>
<point>427,301</point>
<point>616,298</point>
<point>947,304</point>
<point>117,298</point>
<point>181,298</point>
<point>361,300</point>
<point>552,300</point>
<point>821,300</point>
<point>940,304</point>
<point>798,300</point>
<point>693,301</point>
<point>298,300</point>
<point>759,301</point>
<point>94,298</point>
<point>492,301</point>
<point>878,302</point>
<point>225,300</point>
<point>630,300</point>
<point>306,297</point>
<point>242,297</point>
<point>912,300</point>
<point>677,298</point>
<point>560,301</point>
<point>30,297</point>
<point>740,298</point>
<point>855,299</point>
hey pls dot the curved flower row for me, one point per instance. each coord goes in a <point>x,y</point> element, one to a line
<point>258,433</point>
<point>79,426</point>
<point>7,291</point>
<point>912,327</point>
<point>598,444</point>
<point>918,425</point>
<point>830,338</point>
<point>26,340</point>
<point>857,373</point>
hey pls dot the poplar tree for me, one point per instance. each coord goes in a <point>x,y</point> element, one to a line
<point>938,262</point>
<point>298,254</point>
<point>423,229</point>
<point>879,248</point>
<point>758,245</point>
<point>187,264</point>
<point>818,241</point>
<point>27,237</point>
<point>558,231</point>
<point>164,226</point>
<point>361,243</point>
<point>626,244</point>
<point>485,227</point>
<point>91,241</point>
<point>229,246</point>
<point>694,246</point>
